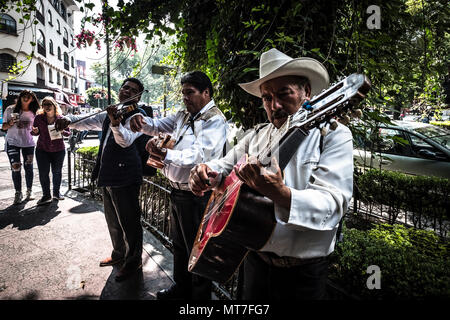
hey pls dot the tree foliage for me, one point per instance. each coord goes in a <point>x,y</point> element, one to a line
<point>406,59</point>
<point>97,97</point>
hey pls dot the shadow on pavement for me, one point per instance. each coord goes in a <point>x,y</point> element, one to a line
<point>24,219</point>
<point>140,286</point>
<point>82,208</point>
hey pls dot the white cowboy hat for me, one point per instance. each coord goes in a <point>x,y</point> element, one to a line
<point>274,64</point>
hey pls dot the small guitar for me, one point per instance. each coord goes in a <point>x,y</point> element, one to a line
<point>163,141</point>
<point>236,218</point>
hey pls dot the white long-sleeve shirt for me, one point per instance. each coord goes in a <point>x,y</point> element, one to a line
<point>321,185</point>
<point>122,135</point>
<point>191,148</point>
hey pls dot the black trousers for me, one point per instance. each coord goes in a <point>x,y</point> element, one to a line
<point>123,217</point>
<point>265,281</point>
<point>187,212</point>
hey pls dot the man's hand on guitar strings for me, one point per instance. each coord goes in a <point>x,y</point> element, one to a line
<point>153,147</point>
<point>267,180</point>
<point>202,179</point>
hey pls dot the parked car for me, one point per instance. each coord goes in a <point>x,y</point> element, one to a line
<point>410,147</point>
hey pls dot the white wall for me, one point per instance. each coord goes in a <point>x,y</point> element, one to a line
<point>19,46</point>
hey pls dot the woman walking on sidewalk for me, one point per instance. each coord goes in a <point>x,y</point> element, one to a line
<point>19,120</point>
<point>50,148</point>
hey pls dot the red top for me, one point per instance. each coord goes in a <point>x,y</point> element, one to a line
<point>44,142</point>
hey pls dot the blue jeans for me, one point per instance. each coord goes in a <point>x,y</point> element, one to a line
<point>14,159</point>
<point>45,160</point>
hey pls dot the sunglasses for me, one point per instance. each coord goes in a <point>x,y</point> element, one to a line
<point>47,105</point>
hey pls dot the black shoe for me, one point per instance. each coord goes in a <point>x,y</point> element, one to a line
<point>44,200</point>
<point>58,196</point>
<point>127,271</point>
<point>172,293</point>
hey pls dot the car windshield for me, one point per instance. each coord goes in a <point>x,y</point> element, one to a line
<point>436,134</point>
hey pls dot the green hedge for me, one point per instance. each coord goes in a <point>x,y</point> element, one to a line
<point>413,263</point>
<point>444,124</point>
<point>418,195</point>
<point>90,152</point>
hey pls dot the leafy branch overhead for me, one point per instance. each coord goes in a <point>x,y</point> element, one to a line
<point>406,59</point>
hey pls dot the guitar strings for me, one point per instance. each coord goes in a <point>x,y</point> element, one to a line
<point>270,146</point>
<point>236,184</point>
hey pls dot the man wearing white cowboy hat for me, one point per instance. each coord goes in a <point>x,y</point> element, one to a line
<point>311,194</point>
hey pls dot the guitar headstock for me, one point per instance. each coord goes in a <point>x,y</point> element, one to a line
<point>336,101</point>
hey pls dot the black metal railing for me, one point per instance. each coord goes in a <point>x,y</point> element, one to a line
<point>392,208</point>
<point>155,205</point>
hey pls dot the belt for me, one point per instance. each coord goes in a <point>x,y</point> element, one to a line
<point>180,186</point>
<point>286,262</point>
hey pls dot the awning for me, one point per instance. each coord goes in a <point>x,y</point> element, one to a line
<point>16,90</point>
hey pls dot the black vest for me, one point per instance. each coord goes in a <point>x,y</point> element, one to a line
<point>116,166</point>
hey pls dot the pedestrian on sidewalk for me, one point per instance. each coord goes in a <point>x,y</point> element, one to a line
<point>118,171</point>
<point>198,133</point>
<point>19,121</point>
<point>50,148</point>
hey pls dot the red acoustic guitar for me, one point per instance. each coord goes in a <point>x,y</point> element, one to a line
<point>237,219</point>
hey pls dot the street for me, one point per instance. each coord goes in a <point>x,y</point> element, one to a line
<point>52,252</point>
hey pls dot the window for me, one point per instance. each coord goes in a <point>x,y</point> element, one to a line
<point>59,53</point>
<point>66,38</point>
<point>7,24</point>
<point>6,62</point>
<point>71,62</point>
<point>58,78</point>
<point>393,141</point>
<point>55,3</point>
<point>50,75</point>
<point>50,46</point>
<point>40,75</point>
<point>41,43</point>
<point>50,17</point>
<point>58,26</point>
<point>40,11</point>
<point>63,11</point>
<point>65,82</point>
<point>66,61</point>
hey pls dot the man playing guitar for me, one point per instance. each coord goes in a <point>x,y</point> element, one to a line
<point>310,195</point>
<point>198,134</point>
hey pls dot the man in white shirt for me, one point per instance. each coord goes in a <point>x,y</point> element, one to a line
<point>199,134</point>
<point>118,171</point>
<point>310,195</point>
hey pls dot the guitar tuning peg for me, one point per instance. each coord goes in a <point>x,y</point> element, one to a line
<point>333,124</point>
<point>344,119</point>
<point>357,113</point>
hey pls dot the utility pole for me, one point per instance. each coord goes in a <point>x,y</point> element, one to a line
<point>108,75</point>
<point>156,69</point>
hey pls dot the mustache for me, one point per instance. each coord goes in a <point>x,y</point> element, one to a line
<point>280,114</point>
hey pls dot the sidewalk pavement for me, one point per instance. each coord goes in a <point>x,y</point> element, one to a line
<point>52,252</point>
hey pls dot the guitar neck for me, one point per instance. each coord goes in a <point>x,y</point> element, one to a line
<point>285,149</point>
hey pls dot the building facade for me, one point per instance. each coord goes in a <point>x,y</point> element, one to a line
<point>52,70</point>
